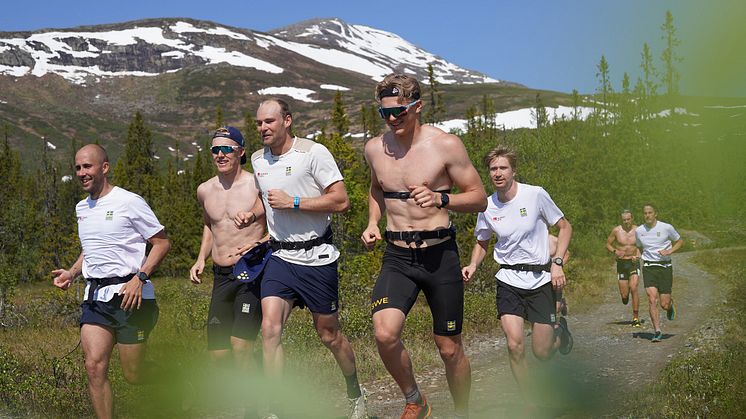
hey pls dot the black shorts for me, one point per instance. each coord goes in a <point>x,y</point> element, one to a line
<point>235,310</point>
<point>660,277</point>
<point>436,270</point>
<point>625,268</point>
<point>315,287</point>
<point>129,327</point>
<point>537,305</point>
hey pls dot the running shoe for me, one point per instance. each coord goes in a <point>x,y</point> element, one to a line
<point>358,409</point>
<point>566,341</point>
<point>636,322</point>
<point>671,312</point>
<point>657,337</point>
<point>417,411</point>
<point>563,306</point>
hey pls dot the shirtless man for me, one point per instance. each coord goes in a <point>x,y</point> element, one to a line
<point>235,310</point>
<point>413,168</point>
<point>621,243</point>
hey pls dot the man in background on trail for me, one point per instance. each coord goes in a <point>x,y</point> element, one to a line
<point>520,216</point>
<point>114,226</point>
<point>413,169</point>
<point>622,244</point>
<point>658,240</point>
<point>235,313</point>
<point>301,187</point>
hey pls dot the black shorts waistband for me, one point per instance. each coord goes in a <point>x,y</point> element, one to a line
<point>661,263</point>
<point>97,283</point>
<point>418,237</point>
<point>406,194</point>
<point>221,270</point>
<point>326,238</point>
<point>525,267</point>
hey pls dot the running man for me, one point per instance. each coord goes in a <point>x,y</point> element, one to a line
<point>301,186</point>
<point>235,313</point>
<point>622,244</point>
<point>114,226</point>
<point>519,215</point>
<point>421,252</point>
<point>658,240</point>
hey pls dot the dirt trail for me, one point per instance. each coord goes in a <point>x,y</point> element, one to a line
<point>610,358</point>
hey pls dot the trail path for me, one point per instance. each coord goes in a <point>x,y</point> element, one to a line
<point>610,358</point>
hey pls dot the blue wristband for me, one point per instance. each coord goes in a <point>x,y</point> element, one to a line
<point>296,202</point>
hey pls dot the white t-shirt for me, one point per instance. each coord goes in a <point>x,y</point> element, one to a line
<point>659,237</point>
<point>521,227</point>
<point>304,174</point>
<point>113,232</point>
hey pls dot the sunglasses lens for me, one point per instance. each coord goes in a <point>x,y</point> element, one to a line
<point>224,148</point>
<point>396,111</point>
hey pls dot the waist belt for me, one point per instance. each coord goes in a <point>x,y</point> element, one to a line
<point>97,283</point>
<point>661,263</point>
<point>222,270</point>
<point>419,236</point>
<point>305,245</point>
<point>528,268</point>
<point>406,194</point>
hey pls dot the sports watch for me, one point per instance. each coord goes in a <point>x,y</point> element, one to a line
<point>558,261</point>
<point>143,276</point>
<point>444,200</point>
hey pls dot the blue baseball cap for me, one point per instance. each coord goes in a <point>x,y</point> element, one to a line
<point>251,265</point>
<point>234,134</point>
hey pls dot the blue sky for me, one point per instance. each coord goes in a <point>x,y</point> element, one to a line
<point>549,44</point>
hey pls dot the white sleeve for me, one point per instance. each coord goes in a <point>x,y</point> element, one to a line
<point>550,212</point>
<point>323,167</point>
<point>673,235</point>
<point>482,231</point>
<point>143,219</point>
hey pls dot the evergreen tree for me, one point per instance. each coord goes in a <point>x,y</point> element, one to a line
<point>251,134</point>
<point>604,89</point>
<point>436,110</point>
<point>539,113</point>
<point>339,116</point>
<point>649,86</point>
<point>575,105</point>
<point>670,59</point>
<point>364,121</point>
<point>219,122</point>
<point>375,123</point>
<point>135,170</point>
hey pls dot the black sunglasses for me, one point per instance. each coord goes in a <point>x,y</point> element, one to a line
<point>226,149</point>
<point>395,111</point>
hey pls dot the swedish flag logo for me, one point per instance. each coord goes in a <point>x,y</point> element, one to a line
<point>140,335</point>
<point>451,325</point>
<point>523,212</point>
<point>109,215</point>
<point>288,171</point>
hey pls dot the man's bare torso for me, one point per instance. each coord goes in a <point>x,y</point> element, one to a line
<point>220,207</point>
<point>625,241</point>
<point>397,167</point>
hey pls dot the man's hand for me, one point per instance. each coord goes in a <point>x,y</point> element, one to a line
<point>278,199</point>
<point>244,219</point>
<point>62,279</point>
<point>665,252</point>
<point>197,269</point>
<point>467,272</point>
<point>423,196</point>
<point>618,253</point>
<point>240,251</point>
<point>558,276</point>
<point>132,292</point>
<point>370,236</point>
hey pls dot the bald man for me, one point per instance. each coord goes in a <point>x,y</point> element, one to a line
<point>114,226</point>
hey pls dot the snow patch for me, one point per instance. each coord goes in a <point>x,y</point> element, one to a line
<point>520,118</point>
<point>294,92</point>
<point>51,146</point>
<point>334,87</point>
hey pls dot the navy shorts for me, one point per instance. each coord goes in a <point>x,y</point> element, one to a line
<point>315,287</point>
<point>235,310</point>
<point>625,268</point>
<point>128,326</point>
<point>436,271</point>
<point>537,305</point>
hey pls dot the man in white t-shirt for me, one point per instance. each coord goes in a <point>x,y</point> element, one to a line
<point>519,215</point>
<point>114,226</point>
<point>301,186</point>
<point>658,240</point>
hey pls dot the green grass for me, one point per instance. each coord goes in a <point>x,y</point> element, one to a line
<point>711,381</point>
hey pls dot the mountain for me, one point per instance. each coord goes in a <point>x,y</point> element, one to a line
<point>85,83</point>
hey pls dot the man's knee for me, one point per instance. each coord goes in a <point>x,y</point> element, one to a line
<point>543,354</point>
<point>515,348</point>
<point>330,336</point>
<point>386,337</point>
<point>451,351</point>
<point>271,332</point>
<point>96,369</point>
<point>132,373</point>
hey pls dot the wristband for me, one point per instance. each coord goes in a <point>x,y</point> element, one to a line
<point>296,202</point>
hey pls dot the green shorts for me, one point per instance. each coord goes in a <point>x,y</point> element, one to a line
<point>660,277</point>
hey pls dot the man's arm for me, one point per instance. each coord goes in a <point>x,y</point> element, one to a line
<point>477,256</point>
<point>245,218</point>
<point>132,290</point>
<point>610,242</point>
<point>563,242</point>
<point>205,248</point>
<point>333,200</point>
<point>472,197</point>
<point>676,246</point>
<point>64,278</point>
<point>376,206</point>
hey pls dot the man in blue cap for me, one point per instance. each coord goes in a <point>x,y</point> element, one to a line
<point>235,310</point>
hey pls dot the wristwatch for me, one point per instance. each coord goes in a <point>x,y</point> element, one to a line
<point>558,261</point>
<point>143,276</point>
<point>444,200</point>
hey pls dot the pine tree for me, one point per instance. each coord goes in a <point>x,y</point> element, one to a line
<point>251,134</point>
<point>604,88</point>
<point>219,122</point>
<point>649,86</point>
<point>436,110</point>
<point>374,121</point>
<point>135,170</point>
<point>339,117</point>
<point>539,113</point>
<point>364,121</point>
<point>575,105</point>
<point>670,59</point>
